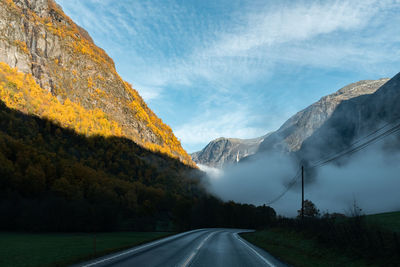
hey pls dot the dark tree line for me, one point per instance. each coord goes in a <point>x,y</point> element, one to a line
<point>53,179</point>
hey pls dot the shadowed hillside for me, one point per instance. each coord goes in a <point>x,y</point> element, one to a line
<point>54,179</point>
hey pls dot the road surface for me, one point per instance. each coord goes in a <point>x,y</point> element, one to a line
<point>203,247</point>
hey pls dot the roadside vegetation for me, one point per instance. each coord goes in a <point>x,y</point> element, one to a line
<point>56,249</point>
<point>390,221</point>
<point>333,239</point>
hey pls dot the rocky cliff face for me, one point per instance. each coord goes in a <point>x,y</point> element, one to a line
<point>39,39</point>
<point>291,135</point>
<point>222,152</point>
<point>354,119</point>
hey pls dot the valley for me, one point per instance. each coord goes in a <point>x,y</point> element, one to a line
<point>167,133</point>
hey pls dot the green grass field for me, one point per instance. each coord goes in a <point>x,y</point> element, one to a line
<point>389,220</point>
<point>299,249</point>
<point>26,249</point>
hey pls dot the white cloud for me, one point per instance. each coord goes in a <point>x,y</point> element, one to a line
<point>212,172</point>
<point>286,34</point>
<point>301,21</point>
<point>148,92</point>
<point>370,177</point>
<point>239,51</point>
<point>172,46</point>
<point>299,34</point>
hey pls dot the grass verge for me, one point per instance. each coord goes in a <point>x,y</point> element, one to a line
<point>59,249</point>
<point>296,249</point>
<point>388,220</point>
<point>370,240</point>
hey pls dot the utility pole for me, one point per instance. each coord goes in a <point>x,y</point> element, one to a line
<point>302,192</point>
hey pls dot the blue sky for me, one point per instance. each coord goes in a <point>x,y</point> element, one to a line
<point>212,68</point>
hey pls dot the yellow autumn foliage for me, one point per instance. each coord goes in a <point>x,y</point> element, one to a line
<point>22,45</point>
<point>171,145</point>
<point>20,91</point>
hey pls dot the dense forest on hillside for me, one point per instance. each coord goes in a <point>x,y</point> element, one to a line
<point>64,167</point>
<point>52,178</point>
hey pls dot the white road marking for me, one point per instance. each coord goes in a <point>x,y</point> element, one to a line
<point>138,248</point>
<point>255,252</point>
<point>189,259</point>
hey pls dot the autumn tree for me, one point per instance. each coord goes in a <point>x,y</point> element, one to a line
<point>310,210</point>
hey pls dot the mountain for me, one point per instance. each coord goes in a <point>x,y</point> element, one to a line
<point>222,152</point>
<point>39,40</point>
<point>79,148</point>
<point>291,135</point>
<point>354,120</point>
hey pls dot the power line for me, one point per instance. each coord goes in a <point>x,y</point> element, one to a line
<point>338,155</point>
<point>355,149</point>
<point>292,182</point>
<point>354,143</point>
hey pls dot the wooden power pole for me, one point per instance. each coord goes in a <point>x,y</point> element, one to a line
<point>302,192</point>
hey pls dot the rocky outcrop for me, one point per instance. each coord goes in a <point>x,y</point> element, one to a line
<point>291,135</point>
<point>356,119</point>
<point>223,152</point>
<point>39,39</point>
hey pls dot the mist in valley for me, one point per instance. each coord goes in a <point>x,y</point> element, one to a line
<point>371,177</point>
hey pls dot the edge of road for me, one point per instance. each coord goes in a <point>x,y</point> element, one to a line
<point>134,250</point>
<point>261,253</point>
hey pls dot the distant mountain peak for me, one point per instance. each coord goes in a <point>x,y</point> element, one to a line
<point>299,127</point>
<point>222,151</point>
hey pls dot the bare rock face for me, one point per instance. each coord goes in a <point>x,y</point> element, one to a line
<point>223,152</point>
<point>40,7</point>
<point>291,135</point>
<point>354,119</point>
<point>39,39</point>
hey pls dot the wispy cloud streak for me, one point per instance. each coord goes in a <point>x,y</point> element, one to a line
<point>227,54</point>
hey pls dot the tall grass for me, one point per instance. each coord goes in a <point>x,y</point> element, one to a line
<point>352,235</point>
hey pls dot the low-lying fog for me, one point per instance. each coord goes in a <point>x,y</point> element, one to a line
<point>370,177</point>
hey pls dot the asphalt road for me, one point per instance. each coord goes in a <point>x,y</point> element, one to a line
<point>203,247</point>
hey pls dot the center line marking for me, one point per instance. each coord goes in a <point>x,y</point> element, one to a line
<point>190,258</point>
